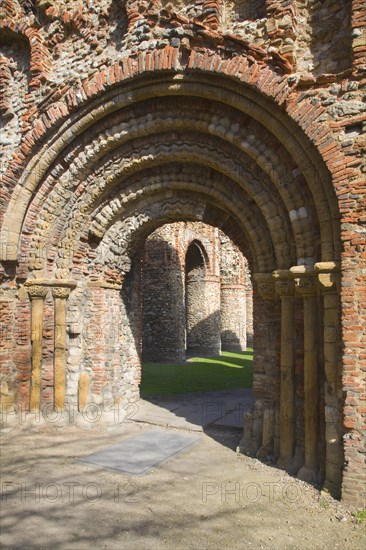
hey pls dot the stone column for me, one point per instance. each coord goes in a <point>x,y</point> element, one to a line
<point>285,288</point>
<point>163,309</point>
<point>260,417</point>
<point>60,295</point>
<point>328,280</point>
<point>266,289</point>
<point>37,294</point>
<point>305,284</point>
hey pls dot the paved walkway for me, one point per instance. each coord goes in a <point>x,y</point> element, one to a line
<point>195,411</point>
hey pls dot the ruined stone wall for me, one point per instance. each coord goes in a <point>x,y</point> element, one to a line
<point>15,347</point>
<point>48,46</point>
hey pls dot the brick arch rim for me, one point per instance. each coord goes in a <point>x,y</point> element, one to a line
<point>175,83</point>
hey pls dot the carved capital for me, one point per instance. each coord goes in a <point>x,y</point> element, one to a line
<point>285,284</point>
<point>305,281</point>
<point>265,285</point>
<point>61,292</point>
<point>37,292</point>
<point>328,277</point>
<point>285,288</point>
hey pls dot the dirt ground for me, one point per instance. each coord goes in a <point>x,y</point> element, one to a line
<point>206,497</point>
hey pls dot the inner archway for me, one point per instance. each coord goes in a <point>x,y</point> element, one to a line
<point>195,284</point>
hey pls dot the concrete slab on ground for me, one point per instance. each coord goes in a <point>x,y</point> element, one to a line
<point>137,455</point>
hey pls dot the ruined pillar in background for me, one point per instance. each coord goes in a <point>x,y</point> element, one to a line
<point>233,296</point>
<point>203,313</point>
<point>163,309</point>
<point>233,317</point>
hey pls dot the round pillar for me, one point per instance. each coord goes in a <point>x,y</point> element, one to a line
<point>203,315</point>
<point>60,295</point>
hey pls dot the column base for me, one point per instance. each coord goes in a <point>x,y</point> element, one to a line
<point>265,452</point>
<point>287,464</point>
<point>247,447</point>
<point>308,474</point>
<point>332,488</point>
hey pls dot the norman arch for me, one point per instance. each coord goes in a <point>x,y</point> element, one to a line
<point>151,149</point>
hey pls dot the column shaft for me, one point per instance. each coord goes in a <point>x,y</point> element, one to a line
<point>37,332</point>
<point>328,279</point>
<point>60,295</point>
<point>287,384</point>
<point>285,288</point>
<point>37,295</point>
<point>306,286</point>
<point>311,383</point>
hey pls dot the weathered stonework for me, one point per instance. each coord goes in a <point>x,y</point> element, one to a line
<point>120,117</point>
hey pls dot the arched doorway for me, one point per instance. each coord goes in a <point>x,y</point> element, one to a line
<point>159,153</point>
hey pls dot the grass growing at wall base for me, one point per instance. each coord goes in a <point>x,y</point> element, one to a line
<point>227,371</point>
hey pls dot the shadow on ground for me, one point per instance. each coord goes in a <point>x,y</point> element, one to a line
<point>218,413</point>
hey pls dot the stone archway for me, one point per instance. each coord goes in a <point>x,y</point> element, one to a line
<point>152,151</point>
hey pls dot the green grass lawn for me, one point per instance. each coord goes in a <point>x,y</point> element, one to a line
<point>227,371</point>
